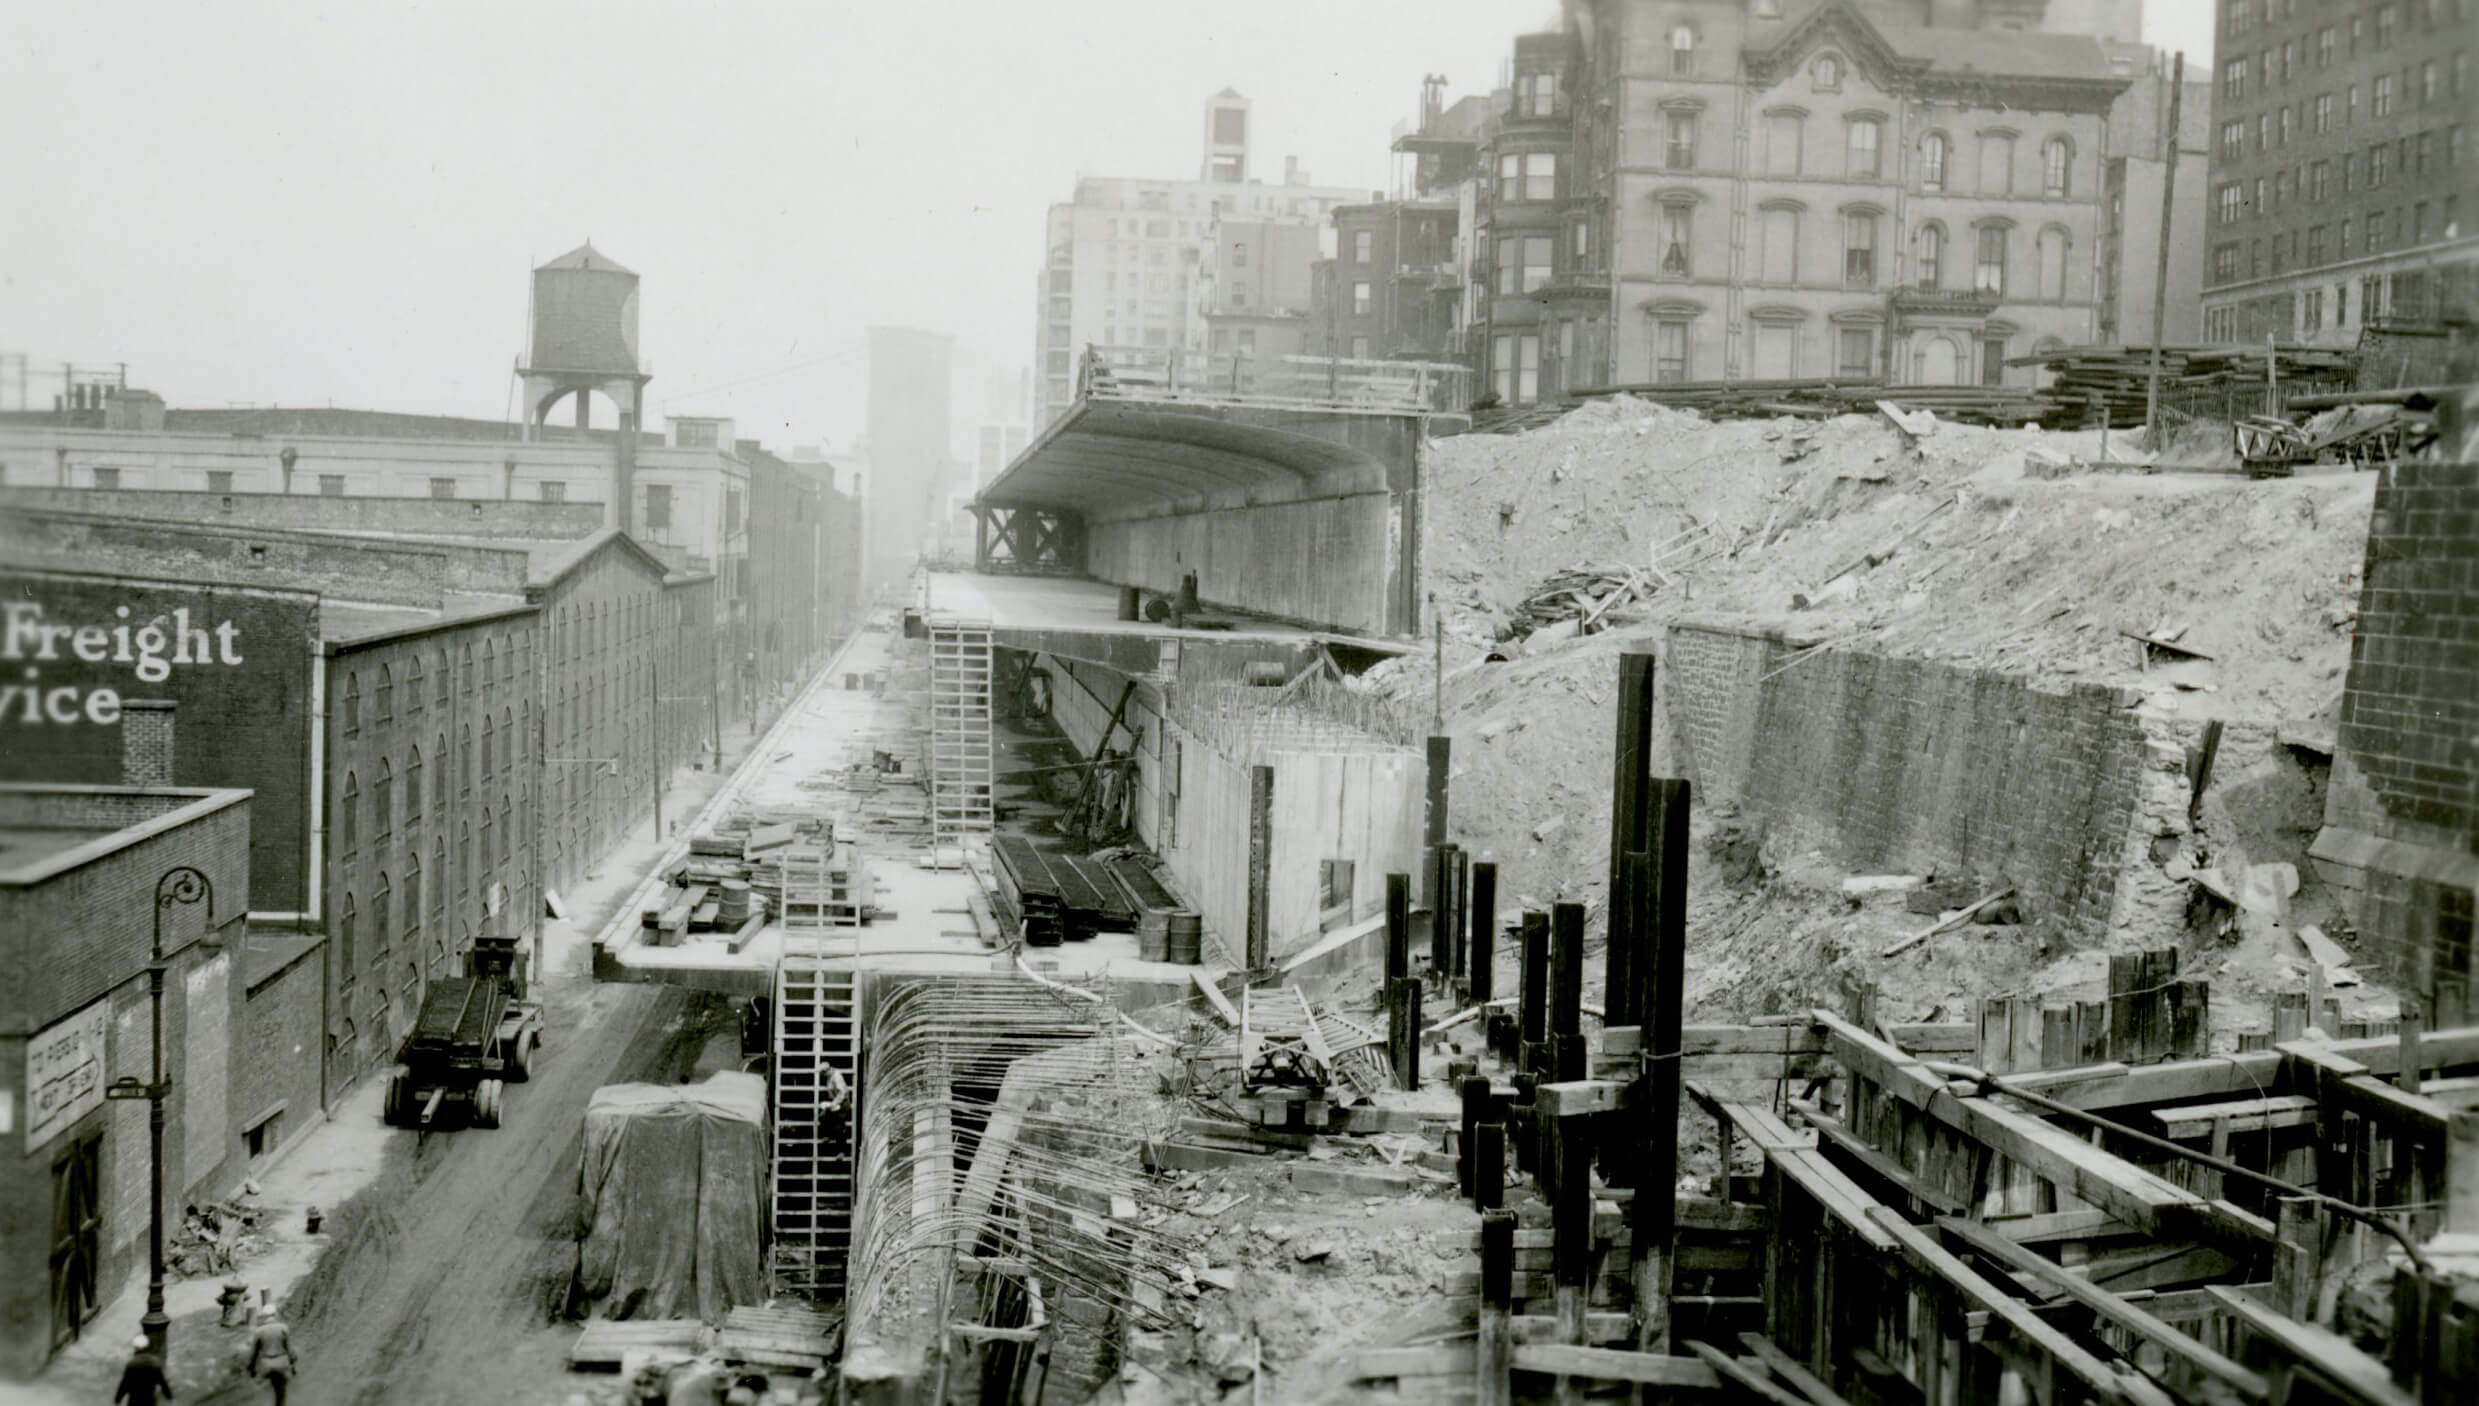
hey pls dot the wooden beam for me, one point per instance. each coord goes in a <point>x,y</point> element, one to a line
<point>2114,1310</point>
<point>2246,1115</point>
<point>1851,1145</point>
<point>2104,1382</point>
<point>1580,1096</point>
<point>1615,1365</point>
<point>2322,1353</point>
<point>2228,1076</point>
<point>1786,1038</point>
<point>1741,1376</point>
<point>1789,1369</point>
<point>2059,1225</point>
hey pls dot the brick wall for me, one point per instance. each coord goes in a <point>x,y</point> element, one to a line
<point>80,937</point>
<point>307,511</point>
<point>361,569</point>
<point>1902,766</point>
<point>2401,834</point>
<point>279,1089</point>
<point>146,741</point>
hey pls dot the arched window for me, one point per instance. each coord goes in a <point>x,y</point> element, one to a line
<point>383,800</point>
<point>382,908</point>
<point>1933,151</point>
<point>1937,362</point>
<point>352,702</point>
<point>507,828</point>
<point>487,728</point>
<point>348,816</point>
<point>1861,157</point>
<point>464,852</point>
<point>487,854</point>
<point>439,881</point>
<point>2053,248</point>
<point>414,797</point>
<point>1932,255</point>
<point>413,684</point>
<point>413,899</point>
<point>487,664</point>
<point>1683,48</point>
<point>1989,274</point>
<point>464,760</point>
<point>348,917</point>
<point>444,672</point>
<point>1996,163</point>
<point>1827,74</point>
<point>467,670</point>
<point>1778,247</point>
<point>2054,157</point>
<point>439,784</point>
<point>385,698</point>
<point>510,738</point>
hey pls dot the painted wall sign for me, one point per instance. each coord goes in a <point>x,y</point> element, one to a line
<point>233,661</point>
<point>65,1071</point>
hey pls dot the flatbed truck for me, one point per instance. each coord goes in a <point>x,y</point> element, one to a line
<point>475,1035</point>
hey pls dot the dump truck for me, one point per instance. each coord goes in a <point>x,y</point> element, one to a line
<point>475,1035</point>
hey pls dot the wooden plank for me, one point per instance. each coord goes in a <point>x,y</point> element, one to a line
<point>2110,1307</point>
<point>1614,1365</point>
<point>1740,1376</point>
<point>1579,1096</point>
<point>1214,997</point>
<point>1849,1144</point>
<point>2249,1115</point>
<point>1598,1327</point>
<point>1795,1155</point>
<point>1789,1369</point>
<point>2324,1354</point>
<point>2229,1076</point>
<point>1788,1038</point>
<point>2059,1225</point>
<point>1926,1255</point>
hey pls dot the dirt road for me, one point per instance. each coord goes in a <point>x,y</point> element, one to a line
<point>474,1236</point>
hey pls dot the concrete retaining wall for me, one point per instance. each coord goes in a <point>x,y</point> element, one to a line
<point>1329,561</point>
<point>1904,766</point>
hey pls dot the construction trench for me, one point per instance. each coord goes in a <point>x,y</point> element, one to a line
<point>1812,1003</point>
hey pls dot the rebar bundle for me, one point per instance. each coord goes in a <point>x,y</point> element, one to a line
<point>1004,1129</point>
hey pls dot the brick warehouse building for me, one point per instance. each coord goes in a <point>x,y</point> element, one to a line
<point>490,732</point>
<point>80,868</point>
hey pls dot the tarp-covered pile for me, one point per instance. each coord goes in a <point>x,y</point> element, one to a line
<point>674,1185</point>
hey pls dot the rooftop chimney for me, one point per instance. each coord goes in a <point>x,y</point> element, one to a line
<point>146,741</point>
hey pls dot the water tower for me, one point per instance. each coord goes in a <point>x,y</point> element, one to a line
<point>584,341</point>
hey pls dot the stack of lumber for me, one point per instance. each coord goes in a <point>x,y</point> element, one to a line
<point>1090,897</point>
<point>731,877</point>
<point>2088,383</point>
<point>1819,398</point>
<point>777,1338</point>
<point>605,1344</point>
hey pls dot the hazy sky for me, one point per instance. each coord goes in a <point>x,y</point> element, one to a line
<point>302,203</point>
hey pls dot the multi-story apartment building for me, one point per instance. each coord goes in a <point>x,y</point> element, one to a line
<point>1254,287</point>
<point>1394,286</point>
<point>2340,157</point>
<point>1126,256</point>
<point>1751,189</point>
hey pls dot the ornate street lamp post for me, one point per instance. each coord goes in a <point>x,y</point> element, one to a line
<point>183,885</point>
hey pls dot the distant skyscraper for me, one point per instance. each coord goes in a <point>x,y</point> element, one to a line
<point>910,463</point>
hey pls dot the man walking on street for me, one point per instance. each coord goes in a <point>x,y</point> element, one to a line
<point>271,1352</point>
<point>143,1382</point>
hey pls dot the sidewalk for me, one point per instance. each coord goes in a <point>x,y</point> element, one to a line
<point>345,1152</point>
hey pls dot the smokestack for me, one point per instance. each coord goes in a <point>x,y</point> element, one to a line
<point>146,741</point>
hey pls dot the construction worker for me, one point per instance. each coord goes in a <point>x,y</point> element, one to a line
<point>271,1352</point>
<point>143,1382</point>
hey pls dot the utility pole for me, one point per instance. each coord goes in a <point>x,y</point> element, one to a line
<point>654,741</point>
<point>2160,270</point>
<point>183,885</point>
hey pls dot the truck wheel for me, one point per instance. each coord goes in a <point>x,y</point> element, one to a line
<point>521,1059</point>
<point>392,1108</point>
<point>486,1104</point>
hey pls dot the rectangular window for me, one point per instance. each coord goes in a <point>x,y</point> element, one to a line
<point>331,485</point>
<point>1860,157</point>
<point>1518,368</point>
<point>2315,245</point>
<point>1990,274</point>
<point>1677,225</point>
<point>1782,145</point>
<point>2386,18</point>
<point>2230,202</point>
<point>1669,351</point>
<point>1360,242</point>
<point>1537,249</point>
<point>2234,79</point>
<point>443,488</point>
<point>1679,145</point>
<point>2324,47</point>
<point>1996,165</point>
<point>1992,361</point>
<point>658,507</point>
<point>2379,160</point>
<point>2319,180</point>
<point>1359,348</point>
<point>1856,348</point>
<point>1780,251</point>
<point>2224,263</point>
<point>1510,177</point>
<point>2384,95</point>
<point>219,480</point>
<point>2288,121</point>
<point>551,490</point>
<point>1510,267</point>
<point>107,478</point>
<point>1360,299</point>
<point>2323,113</point>
<point>1541,176</point>
<point>2233,140</point>
<point>1859,251</point>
